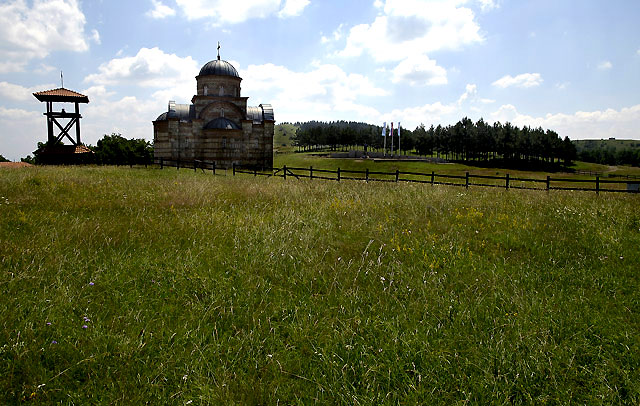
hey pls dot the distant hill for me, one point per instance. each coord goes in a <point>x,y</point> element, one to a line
<point>609,152</point>
<point>283,137</point>
<point>615,145</point>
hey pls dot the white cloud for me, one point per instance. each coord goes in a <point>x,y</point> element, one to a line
<point>20,132</point>
<point>150,67</point>
<point>324,93</point>
<point>469,93</point>
<point>419,70</point>
<point>487,5</point>
<point>31,30</point>
<point>524,80</point>
<point>160,10</point>
<point>95,37</point>
<point>221,12</point>
<point>293,8</point>
<point>605,65</point>
<point>413,27</point>
<point>19,93</point>
<point>623,123</point>
<point>638,52</point>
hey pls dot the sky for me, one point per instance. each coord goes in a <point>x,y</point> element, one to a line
<point>572,66</point>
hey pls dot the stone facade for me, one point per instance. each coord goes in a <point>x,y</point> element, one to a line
<point>217,126</point>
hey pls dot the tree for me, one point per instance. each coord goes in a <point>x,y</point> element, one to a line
<point>114,149</point>
<point>3,159</point>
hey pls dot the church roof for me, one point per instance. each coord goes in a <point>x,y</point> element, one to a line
<point>221,123</point>
<point>61,95</point>
<point>219,68</point>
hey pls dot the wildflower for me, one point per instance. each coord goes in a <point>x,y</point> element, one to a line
<point>85,326</point>
<point>86,319</point>
<point>48,323</point>
<point>91,283</point>
<point>54,342</point>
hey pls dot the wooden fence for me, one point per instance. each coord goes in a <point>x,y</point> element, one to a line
<point>504,182</point>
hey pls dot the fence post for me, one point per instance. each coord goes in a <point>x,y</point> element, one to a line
<point>178,164</point>
<point>466,180</point>
<point>255,171</point>
<point>338,174</point>
<point>195,165</point>
<point>233,165</point>
<point>397,175</point>
<point>311,172</point>
<point>597,185</point>
<point>367,175</point>
<point>507,182</point>
<point>214,167</point>
<point>433,175</point>
<point>548,182</point>
<point>161,163</point>
<point>284,172</point>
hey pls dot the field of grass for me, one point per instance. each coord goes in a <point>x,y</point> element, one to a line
<point>133,286</point>
<point>614,145</point>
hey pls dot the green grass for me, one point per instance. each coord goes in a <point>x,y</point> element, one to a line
<point>235,290</point>
<point>283,137</point>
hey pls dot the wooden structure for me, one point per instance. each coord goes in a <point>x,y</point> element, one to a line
<point>54,150</point>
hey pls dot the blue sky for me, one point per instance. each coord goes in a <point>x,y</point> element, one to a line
<point>571,66</point>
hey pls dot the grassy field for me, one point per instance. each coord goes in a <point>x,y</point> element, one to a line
<point>133,286</point>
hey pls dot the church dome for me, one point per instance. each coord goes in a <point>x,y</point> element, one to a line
<point>219,68</point>
<point>221,123</point>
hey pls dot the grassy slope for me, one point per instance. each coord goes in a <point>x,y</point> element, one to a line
<point>283,137</point>
<point>304,160</point>
<point>582,145</point>
<point>229,290</point>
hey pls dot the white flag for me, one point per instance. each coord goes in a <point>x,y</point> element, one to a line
<point>384,129</point>
<point>398,129</point>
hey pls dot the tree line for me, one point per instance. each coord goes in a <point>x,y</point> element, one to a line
<point>611,156</point>
<point>112,149</point>
<point>463,141</point>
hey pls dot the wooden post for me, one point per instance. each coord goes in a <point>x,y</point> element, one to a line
<point>255,171</point>
<point>507,181</point>
<point>597,185</point>
<point>234,168</point>
<point>397,175</point>
<point>433,175</point>
<point>466,180</point>
<point>214,167</point>
<point>367,175</point>
<point>284,172</point>
<point>161,163</point>
<point>548,182</point>
<point>311,172</point>
<point>338,174</point>
<point>178,164</point>
<point>77,124</point>
<point>195,165</point>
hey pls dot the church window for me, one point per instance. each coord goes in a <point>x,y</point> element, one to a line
<point>206,90</point>
<point>221,93</point>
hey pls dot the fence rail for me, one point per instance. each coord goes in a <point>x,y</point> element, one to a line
<point>467,180</point>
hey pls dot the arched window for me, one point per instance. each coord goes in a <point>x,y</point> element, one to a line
<point>221,92</point>
<point>206,90</point>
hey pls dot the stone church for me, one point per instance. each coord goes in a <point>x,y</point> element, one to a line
<point>217,126</point>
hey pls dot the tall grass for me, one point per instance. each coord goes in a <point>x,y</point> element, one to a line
<point>125,286</point>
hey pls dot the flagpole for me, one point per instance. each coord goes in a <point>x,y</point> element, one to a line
<point>384,134</point>
<point>399,150</point>
<point>392,139</point>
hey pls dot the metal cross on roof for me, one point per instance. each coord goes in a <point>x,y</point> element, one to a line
<point>218,50</point>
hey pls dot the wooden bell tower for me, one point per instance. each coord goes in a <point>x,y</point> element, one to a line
<point>55,151</point>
